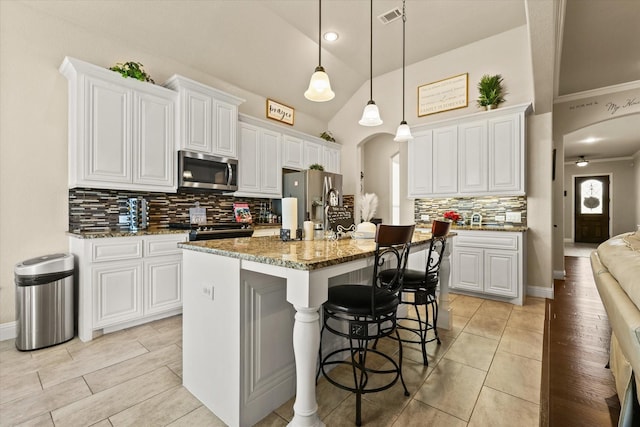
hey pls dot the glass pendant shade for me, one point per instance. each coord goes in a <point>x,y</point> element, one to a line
<point>370,115</point>
<point>319,87</point>
<point>403,134</point>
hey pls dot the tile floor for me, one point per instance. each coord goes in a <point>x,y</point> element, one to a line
<point>582,250</point>
<point>486,372</point>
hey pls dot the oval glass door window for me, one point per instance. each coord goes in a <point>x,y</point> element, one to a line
<point>591,197</point>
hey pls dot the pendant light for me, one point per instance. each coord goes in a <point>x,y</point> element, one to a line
<point>371,115</point>
<point>319,86</point>
<point>403,134</point>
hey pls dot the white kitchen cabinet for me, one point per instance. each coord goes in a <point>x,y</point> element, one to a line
<point>125,281</point>
<point>477,155</point>
<point>207,118</point>
<point>489,263</point>
<point>162,284</point>
<point>117,292</point>
<point>506,155</point>
<point>260,162</point>
<point>153,142</point>
<point>331,155</point>
<point>121,131</point>
<point>472,157</point>
<point>292,152</point>
<point>312,153</point>
<point>445,160</point>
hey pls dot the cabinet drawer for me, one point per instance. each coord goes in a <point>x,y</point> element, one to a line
<point>488,240</point>
<point>116,249</point>
<point>163,245</point>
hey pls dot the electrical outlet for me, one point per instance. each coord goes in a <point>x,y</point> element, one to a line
<point>499,218</point>
<point>424,217</point>
<point>123,219</point>
<point>208,291</point>
<point>514,217</point>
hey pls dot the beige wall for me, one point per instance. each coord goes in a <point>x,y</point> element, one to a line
<point>539,202</point>
<point>623,195</point>
<point>33,128</point>
<point>636,173</point>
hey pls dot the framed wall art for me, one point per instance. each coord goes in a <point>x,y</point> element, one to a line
<point>280,112</point>
<point>444,95</point>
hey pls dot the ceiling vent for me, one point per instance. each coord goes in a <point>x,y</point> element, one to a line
<point>390,16</point>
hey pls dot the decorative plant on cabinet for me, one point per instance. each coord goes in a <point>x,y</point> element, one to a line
<point>491,91</point>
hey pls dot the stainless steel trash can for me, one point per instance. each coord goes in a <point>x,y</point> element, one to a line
<point>44,301</point>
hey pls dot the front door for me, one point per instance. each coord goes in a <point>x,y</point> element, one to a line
<point>591,209</point>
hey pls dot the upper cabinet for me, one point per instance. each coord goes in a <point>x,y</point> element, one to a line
<point>292,152</point>
<point>121,130</point>
<point>477,155</point>
<point>331,154</point>
<point>312,153</point>
<point>207,118</point>
<point>300,152</point>
<point>260,160</point>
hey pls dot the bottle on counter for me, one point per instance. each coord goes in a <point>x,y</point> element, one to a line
<point>318,231</point>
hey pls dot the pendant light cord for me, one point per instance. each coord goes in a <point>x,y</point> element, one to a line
<point>371,54</point>
<point>320,33</point>
<point>404,21</point>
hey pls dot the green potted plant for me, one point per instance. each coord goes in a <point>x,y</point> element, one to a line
<point>327,136</point>
<point>316,166</point>
<point>133,70</point>
<point>491,91</point>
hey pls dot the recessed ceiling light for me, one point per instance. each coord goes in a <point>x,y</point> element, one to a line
<point>330,36</point>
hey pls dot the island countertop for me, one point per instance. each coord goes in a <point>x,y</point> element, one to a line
<point>295,254</point>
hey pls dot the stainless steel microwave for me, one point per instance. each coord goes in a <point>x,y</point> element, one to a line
<point>197,170</point>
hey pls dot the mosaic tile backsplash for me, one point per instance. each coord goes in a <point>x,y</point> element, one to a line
<point>93,210</point>
<point>489,207</point>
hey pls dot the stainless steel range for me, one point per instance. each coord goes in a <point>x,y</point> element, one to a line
<point>211,231</point>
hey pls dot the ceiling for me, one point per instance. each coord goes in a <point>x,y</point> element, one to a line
<point>269,47</point>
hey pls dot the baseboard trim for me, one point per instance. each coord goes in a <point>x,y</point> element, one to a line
<point>8,331</point>
<point>559,274</point>
<point>540,292</point>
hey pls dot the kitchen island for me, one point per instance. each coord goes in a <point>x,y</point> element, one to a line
<point>251,327</point>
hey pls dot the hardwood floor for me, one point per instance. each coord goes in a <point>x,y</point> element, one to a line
<point>579,390</point>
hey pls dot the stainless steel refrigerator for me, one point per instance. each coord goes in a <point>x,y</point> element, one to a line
<point>315,190</point>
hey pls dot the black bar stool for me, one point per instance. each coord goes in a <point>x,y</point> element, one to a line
<point>362,314</point>
<point>419,290</point>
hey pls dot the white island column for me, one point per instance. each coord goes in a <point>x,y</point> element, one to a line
<point>306,292</point>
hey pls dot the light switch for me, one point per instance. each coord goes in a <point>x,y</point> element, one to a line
<point>424,217</point>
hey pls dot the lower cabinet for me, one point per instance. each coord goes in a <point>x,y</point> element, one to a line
<point>489,263</point>
<point>124,281</point>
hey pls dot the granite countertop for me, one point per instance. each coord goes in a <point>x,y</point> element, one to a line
<point>483,227</point>
<point>295,254</point>
<point>124,233</point>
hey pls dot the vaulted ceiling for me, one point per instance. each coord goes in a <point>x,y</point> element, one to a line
<point>269,47</point>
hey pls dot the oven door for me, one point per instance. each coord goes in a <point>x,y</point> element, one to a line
<point>197,170</point>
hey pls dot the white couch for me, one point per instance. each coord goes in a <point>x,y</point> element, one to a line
<point>616,270</point>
